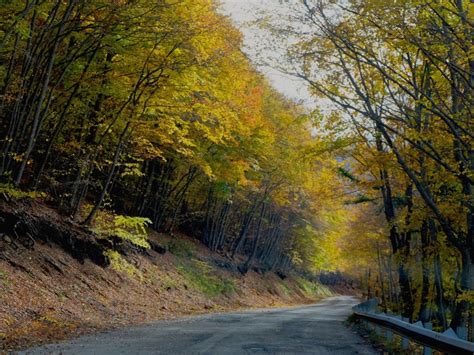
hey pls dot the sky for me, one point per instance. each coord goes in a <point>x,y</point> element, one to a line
<point>244,11</point>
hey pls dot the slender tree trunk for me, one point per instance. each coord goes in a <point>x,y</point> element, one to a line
<point>425,310</point>
<point>181,195</point>
<point>381,277</point>
<point>249,260</point>
<point>440,292</point>
<point>460,315</point>
<point>44,88</point>
<point>97,205</point>
<point>247,222</point>
<point>62,121</point>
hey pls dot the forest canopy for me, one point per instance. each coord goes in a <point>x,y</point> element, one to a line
<point>128,114</point>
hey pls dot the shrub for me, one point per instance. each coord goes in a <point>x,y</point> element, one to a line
<point>133,229</point>
<point>119,264</point>
<point>17,194</point>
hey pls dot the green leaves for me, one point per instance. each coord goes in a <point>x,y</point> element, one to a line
<point>132,229</point>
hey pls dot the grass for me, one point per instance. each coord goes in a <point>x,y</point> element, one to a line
<point>17,194</point>
<point>286,289</point>
<point>198,274</point>
<point>310,288</point>
<point>168,282</point>
<point>380,341</point>
<point>4,280</point>
<point>181,248</point>
<point>119,264</point>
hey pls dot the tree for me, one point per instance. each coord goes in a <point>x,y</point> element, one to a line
<point>401,76</point>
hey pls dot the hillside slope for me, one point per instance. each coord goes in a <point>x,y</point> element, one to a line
<point>55,282</point>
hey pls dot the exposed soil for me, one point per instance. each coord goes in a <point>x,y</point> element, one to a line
<point>55,282</point>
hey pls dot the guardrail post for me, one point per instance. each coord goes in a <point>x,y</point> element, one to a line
<point>427,350</point>
<point>405,341</point>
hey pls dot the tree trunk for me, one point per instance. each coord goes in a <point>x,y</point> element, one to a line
<point>44,88</point>
<point>96,207</point>
<point>425,309</point>
<point>246,265</point>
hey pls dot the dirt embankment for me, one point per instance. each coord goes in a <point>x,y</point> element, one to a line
<point>55,282</point>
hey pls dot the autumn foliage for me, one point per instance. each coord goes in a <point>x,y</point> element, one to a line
<point>396,78</point>
<point>135,113</point>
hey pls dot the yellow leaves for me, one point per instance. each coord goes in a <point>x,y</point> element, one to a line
<point>131,169</point>
<point>207,170</point>
<point>145,149</point>
<point>236,172</point>
<point>17,194</point>
<point>134,229</point>
<point>119,264</point>
<point>467,296</point>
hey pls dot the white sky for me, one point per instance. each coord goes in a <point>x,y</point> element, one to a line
<point>244,11</point>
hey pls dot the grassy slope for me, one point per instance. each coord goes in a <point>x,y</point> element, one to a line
<point>47,295</point>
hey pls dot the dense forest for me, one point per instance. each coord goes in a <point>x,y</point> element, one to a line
<point>133,114</point>
<point>128,115</point>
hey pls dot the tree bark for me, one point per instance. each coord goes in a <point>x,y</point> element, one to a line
<point>97,205</point>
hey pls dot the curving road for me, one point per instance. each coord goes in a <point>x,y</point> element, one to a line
<point>315,329</point>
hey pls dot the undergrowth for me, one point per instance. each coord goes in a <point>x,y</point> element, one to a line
<point>286,289</point>
<point>181,248</point>
<point>4,280</point>
<point>108,224</point>
<point>119,264</point>
<point>16,194</point>
<point>199,275</point>
<point>312,288</point>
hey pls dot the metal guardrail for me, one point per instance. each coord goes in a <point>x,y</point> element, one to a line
<point>448,341</point>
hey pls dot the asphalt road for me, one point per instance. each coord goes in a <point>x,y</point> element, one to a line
<point>315,329</point>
